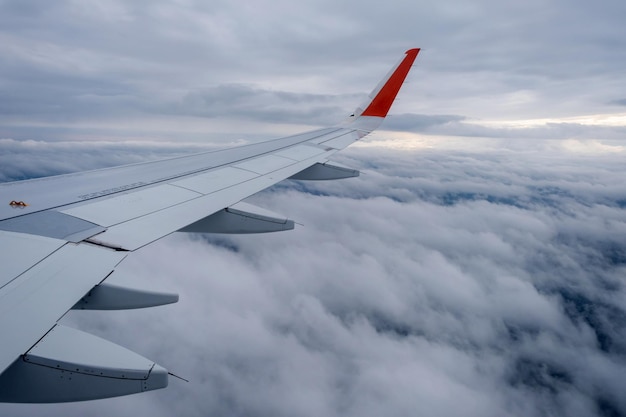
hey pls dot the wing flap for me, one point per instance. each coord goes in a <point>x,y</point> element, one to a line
<point>21,251</point>
<point>31,303</point>
<point>52,223</point>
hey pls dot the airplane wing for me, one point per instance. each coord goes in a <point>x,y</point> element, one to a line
<point>61,237</point>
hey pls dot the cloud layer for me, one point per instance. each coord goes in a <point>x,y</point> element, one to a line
<point>439,282</point>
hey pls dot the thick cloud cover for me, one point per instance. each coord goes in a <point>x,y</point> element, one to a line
<point>481,282</point>
<point>476,268</point>
<point>182,67</point>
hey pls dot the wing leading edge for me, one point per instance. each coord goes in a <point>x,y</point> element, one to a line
<point>60,245</point>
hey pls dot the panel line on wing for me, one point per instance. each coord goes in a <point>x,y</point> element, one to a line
<point>342,141</point>
<point>31,305</point>
<point>301,152</point>
<point>215,180</point>
<point>22,252</point>
<point>125,207</point>
<point>141,231</point>
<point>265,164</point>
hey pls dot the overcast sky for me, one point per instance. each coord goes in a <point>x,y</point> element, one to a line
<point>184,69</point>
<point>476,268</point>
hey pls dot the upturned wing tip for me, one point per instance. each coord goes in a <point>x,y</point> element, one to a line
<point>385,94</point>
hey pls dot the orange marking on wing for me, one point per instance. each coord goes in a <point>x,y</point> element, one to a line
<point>381,104</point>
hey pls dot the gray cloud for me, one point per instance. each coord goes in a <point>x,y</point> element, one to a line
<point>420,122</point>
<point>249,102</point>
<point>32,159</point>
<point>98,63</point>
<point>493,277</point>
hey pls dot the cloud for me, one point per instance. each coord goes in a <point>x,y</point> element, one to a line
<point>419,122</point>
<point>259,104</point>
<point>492,277</point>
<point>112,63</point>
<point>481,274</point>
<point>455,125</point>
<point>32,159</point>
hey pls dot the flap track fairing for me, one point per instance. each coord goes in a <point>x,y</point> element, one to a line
<point>325,171</point>
<point>112,297</point>
<point>241,218</point>
<point>71,365</point>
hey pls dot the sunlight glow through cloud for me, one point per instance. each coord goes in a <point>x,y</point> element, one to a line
<point>612,119</point>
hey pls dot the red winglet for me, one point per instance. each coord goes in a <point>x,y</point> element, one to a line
<point>381,104</point>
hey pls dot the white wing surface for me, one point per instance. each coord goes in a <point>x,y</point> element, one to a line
<point>62,236</point>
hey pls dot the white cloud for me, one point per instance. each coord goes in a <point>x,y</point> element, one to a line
<point>494,278</point>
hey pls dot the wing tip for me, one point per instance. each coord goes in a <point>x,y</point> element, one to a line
<point>381,103</point>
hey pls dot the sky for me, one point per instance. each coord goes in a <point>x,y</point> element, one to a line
<point>475,268</point>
